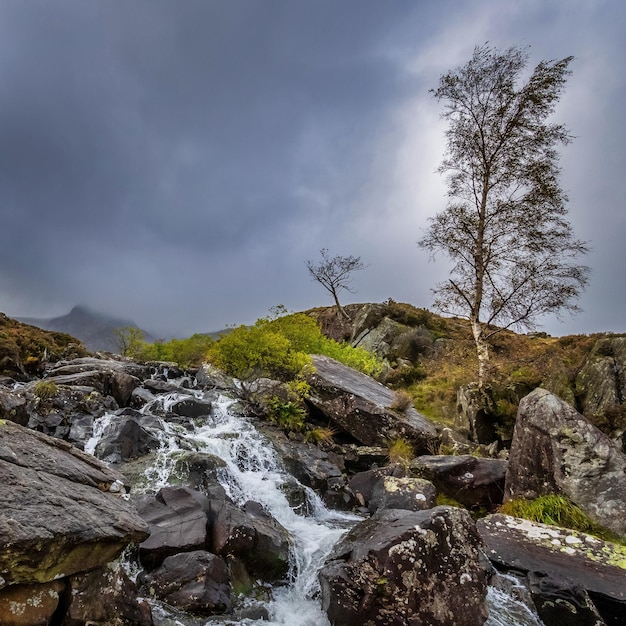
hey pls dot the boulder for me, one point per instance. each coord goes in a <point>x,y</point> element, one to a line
<point>106,597</point>
<point>252,535</point>
<point>571,560</point>
<point>360,406</point>
<point>363,483</point>
<point>472,481</point>
<point>60,509</point>
<point>110,378</point>
<point>408,567</point>
<point>125,438</point>
<point>556,450</point>
<point>412,494</point>
<point>177,517</point>
<point>191,407</point>
<point>195,581</point>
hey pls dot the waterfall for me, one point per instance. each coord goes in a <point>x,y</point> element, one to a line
<point>253,471</point>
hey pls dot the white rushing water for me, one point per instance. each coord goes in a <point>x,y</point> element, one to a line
<point>254,472</point>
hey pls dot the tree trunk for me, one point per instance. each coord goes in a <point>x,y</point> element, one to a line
<point>482,351</point>
<point>340,309</point>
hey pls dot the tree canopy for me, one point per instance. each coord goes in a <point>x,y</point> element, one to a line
<point>505,229</point>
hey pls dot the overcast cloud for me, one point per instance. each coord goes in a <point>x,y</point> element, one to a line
<point>178,162</point>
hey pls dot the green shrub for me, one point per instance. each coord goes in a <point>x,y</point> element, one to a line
<point>45,389</point>
<point>279,347</point>
<point>288,415</point>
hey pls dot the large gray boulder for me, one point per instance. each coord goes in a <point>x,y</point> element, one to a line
<point>360,406</point>
<point>408,567</point>
<point>60,509</point>
<point>556,450</point>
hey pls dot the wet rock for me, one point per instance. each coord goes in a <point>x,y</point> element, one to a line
<point>191,407</point>
<point>106,597</point>
<point>556,450</point>
<point>560,602</point>
<point>90,364</point>
<point>412,494</point>
<point>198,470</point>
<point>314,468</point>
<point>30,605</point>
<point>253,536</point>
<point>472,481</point>
<point>125,438</point>
<point>408,567</point>
<point>177,517</point>
<point>582,561</point>
<point>601,382</point>
<point>140,397</point>
<point>195,581</point>
<point>359,405</point>
<point>209,377</point>
<point>59,514</point>
<point>156,386</point>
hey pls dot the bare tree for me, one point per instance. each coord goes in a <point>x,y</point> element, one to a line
<point>504,228</point>
<point>334,274</point>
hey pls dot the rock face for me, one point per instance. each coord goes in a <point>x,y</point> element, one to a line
<point>574,561</point>
<point>406,567</point>
<point>556,450</point>
<point>66,519</point>
<point>360,406</point>
<point>601,382</point>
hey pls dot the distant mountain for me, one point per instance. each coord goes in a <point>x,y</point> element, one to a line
<point>94,329</point>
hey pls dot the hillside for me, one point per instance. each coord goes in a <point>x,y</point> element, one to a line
<point>431,357</point>
<point>25,349</point>
<point>94,329</point>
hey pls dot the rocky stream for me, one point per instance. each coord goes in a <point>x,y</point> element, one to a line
<point>139,494</point>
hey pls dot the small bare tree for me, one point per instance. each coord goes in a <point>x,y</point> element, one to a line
<point>505,228</point>
<point>334,274</point>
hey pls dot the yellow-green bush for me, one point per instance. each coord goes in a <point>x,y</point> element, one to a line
<point>279,347</point>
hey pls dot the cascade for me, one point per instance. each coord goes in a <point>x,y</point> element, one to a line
<point>254,472</point>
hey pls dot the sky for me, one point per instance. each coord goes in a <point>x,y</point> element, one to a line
<point>178,162</point>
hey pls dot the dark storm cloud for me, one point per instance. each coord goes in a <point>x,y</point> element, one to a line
<point>177,162</point>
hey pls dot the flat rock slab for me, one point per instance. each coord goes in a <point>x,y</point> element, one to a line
<point>360,405</point>
<point>597,566</point>
<point>60,509</point>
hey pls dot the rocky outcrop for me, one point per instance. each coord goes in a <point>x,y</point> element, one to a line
<point>572,561</point>
<point>408,567</point>
<point>475,415</point>
<point>601,382</point>
<point>556,450</point>
<point>360,406</point>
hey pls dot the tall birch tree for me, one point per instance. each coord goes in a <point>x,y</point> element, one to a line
<point>505,229</point>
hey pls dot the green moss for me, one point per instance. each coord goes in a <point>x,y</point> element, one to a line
<point>45,389</point>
